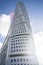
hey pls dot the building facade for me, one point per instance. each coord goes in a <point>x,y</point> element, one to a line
<point>18,47</point>
<point>0,58</point>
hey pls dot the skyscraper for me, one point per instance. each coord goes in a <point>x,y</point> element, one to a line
<point>18,47</point>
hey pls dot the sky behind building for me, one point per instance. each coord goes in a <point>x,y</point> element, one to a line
<point>35,12</point>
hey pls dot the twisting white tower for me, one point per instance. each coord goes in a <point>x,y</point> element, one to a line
<point>19,45</point>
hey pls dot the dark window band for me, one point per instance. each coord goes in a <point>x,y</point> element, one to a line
<point>19,35</point>
<point>17,55</point>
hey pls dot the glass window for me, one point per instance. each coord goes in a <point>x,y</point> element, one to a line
<point>17,64</point>
<point>11,64</point>
<point>18,60</point>
<point>11,50</point>
<point>17,50</point>
<point>14,64</point>
<point>22,49</point>
<point>11,60</point>
<point>19,46</point>
<point>21,42</point>
<point>14,43</point>
<point>14,60</point>
<point>11,47</point>
<point>24,64</point>
<point>16,46</point>
<point>18,43</point>
<point>20,37</point>
<point>16,40</point>
<point>19,31</point>
<point>11,44</point>
<point>27,64</point>
<point>23,59</point>
<point>14,50</point>
<point>27,59</point>
<point>21,64</point>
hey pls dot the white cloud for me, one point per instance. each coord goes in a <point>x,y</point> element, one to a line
<point>38,39</point>
<point>4,24</point>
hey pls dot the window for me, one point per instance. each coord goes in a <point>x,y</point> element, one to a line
<point>19,31</point>
<point>14,60</point>
<point>14,43</point>
<point>18,60</point>
<point>14,46</point>
<point>17,64</point>
<point>24,64</point>
<point>22,49</point>
<point>11,47</point>
<point>18,43</point>
<point>27,59</point>
<point>11,60</point>
<point>14,64</point>
<point>21,64</point>
<point>19,46</point>
<point>16,40</point>
<point>21,42</point>
<point>27,64</point>
<point>11,50</point>
<point>11,64</point>
<point>14,50</point>
<point>20,37</point>
<point>11,44</point>
<point>25,30</point>
<point>23,59</point>
<point>17,50</point>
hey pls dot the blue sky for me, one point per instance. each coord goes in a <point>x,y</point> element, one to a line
<point>35,12</point>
